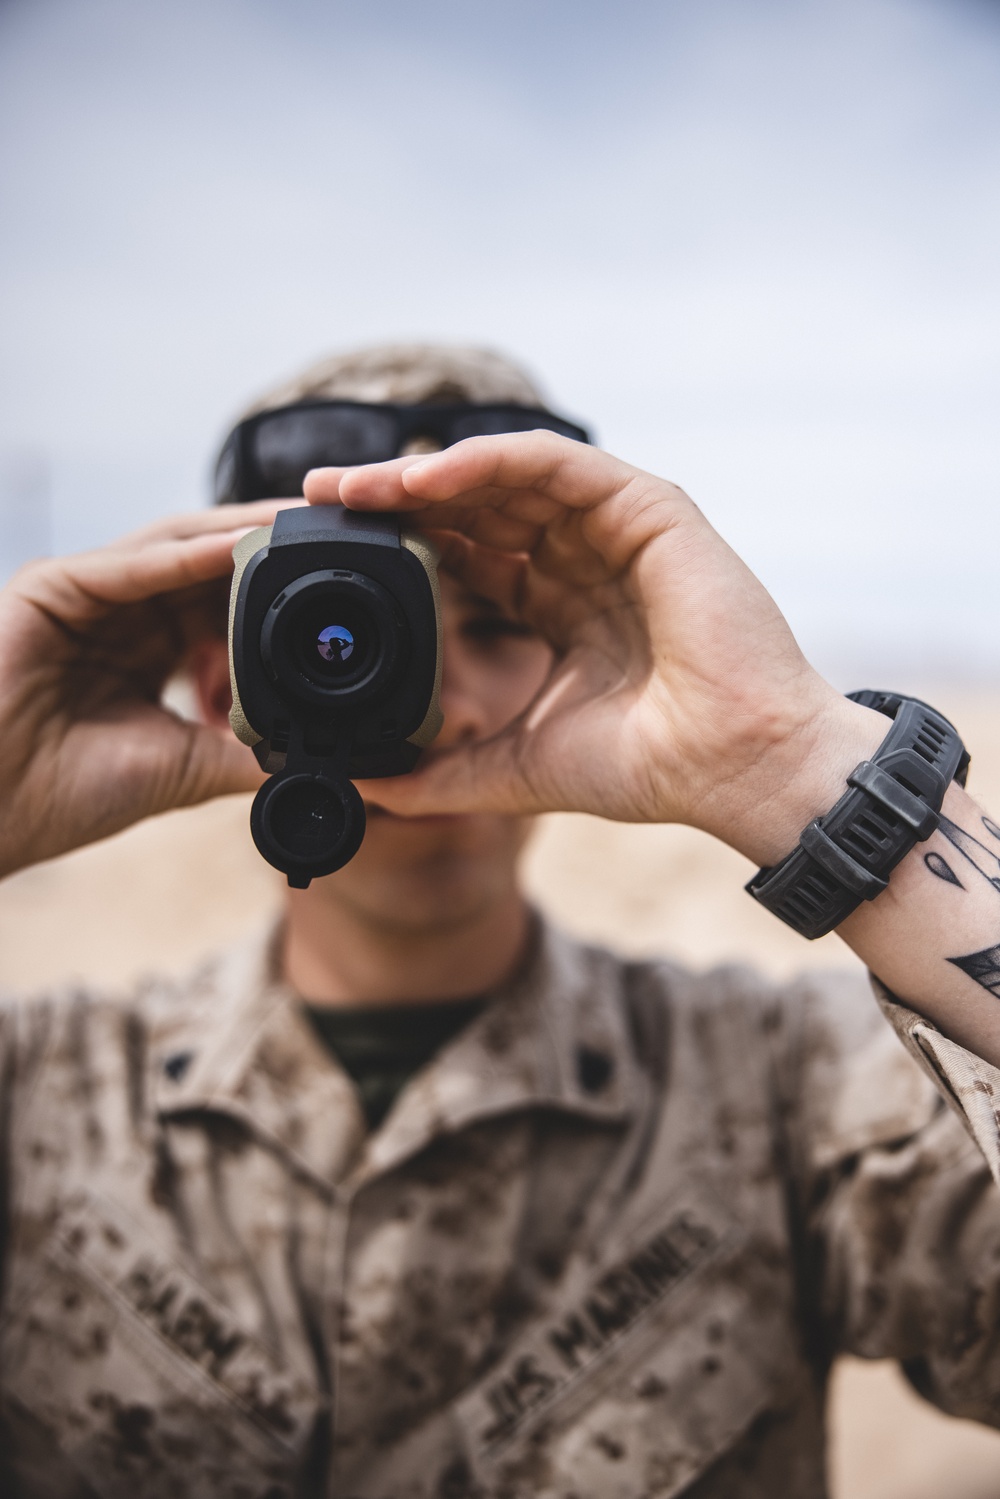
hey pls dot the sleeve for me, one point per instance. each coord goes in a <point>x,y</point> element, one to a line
<point>9,1088</point>
<point>25,1034</point>
<point>899,1210</point>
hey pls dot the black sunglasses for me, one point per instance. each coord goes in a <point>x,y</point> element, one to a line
<point>268,455</point>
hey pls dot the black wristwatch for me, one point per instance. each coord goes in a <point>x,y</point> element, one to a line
<point>892,803</point>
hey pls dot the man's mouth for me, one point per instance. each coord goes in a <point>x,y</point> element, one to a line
<point>376,813</point>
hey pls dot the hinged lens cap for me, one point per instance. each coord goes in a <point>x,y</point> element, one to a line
<point>307,825</point>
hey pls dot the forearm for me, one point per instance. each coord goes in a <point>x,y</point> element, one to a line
<point>933,937</point>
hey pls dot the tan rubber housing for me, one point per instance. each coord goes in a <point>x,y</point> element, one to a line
<point>248,546</point>
<point>427,555</point>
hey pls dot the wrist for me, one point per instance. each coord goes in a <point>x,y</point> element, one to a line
<point>891,803</point>
<point>801,777</point>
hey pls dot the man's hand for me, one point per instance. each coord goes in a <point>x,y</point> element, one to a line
<point>677,694</point>
<point>88,644</point>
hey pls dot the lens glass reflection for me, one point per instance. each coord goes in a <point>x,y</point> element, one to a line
<point>335,644</point>
<point>334,640</point>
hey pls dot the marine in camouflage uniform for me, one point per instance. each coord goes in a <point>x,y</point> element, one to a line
<point>607,1241</point>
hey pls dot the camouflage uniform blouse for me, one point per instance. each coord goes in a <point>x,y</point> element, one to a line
<point>606,1244</point>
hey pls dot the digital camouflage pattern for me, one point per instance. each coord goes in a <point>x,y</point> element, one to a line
<point>409,374</point>
<point>607,1243</point>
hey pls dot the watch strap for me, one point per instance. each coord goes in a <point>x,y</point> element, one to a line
<point>892,803</point>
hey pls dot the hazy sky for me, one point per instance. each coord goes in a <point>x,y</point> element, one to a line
<point>756,244</point>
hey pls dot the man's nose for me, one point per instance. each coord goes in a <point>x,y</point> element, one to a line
<point>464,700</point>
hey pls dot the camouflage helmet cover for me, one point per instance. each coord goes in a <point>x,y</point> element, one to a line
<point>410,374</point>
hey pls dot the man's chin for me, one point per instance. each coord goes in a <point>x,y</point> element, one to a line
<point>459,835</point>
<point>441,852</point>
<point>431,867</point>
<point>425,874</point>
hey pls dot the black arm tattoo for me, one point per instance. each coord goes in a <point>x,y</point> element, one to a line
<point>983,967</point>
<point>939,865</point>
<point>982,859</point>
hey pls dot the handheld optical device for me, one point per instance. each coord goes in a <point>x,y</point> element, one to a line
<point>335,658</point>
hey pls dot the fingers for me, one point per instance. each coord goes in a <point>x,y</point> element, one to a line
<point>493,528</point>
<point>511,581</point>
<point>180,552</point>
<point>479,778</point>
<point>483,470</point>
<point>494,469</point>
<point>322,486</point>
<point>219,518</point>
<point>529,492</point>
<point>77,590</point>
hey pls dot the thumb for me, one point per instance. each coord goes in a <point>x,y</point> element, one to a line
<point>215,764</point>
<point>487,777</point>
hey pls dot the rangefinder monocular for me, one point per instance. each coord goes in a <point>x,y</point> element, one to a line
<point>335,658</point>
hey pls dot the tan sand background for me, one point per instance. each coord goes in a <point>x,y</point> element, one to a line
<point>164,893</point>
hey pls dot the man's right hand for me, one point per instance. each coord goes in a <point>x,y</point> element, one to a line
<point>87,644</point>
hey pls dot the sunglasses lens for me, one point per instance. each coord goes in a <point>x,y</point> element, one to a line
<point>282,446</point>
<point>291,442</point>
<point>226,478</point>
<point>493,421</point>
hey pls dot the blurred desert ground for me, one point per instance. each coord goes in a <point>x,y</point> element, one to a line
<point>170,890</point>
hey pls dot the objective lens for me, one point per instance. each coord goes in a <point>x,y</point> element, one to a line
<point>334,655</point>
<point>330,637</point>
<point>335,644</point>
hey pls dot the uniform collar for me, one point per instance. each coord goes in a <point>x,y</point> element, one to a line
<point>236,1041</point>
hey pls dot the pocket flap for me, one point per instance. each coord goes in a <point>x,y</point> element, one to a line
<point>143,1378</point>
<point>653,1363</point>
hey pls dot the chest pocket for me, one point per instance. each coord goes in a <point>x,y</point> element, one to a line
<point>651,1366</point>
<point>144,1381</point>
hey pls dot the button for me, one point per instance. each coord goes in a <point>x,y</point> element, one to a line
<point>593,1068</point>
<point>176,1066</point>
